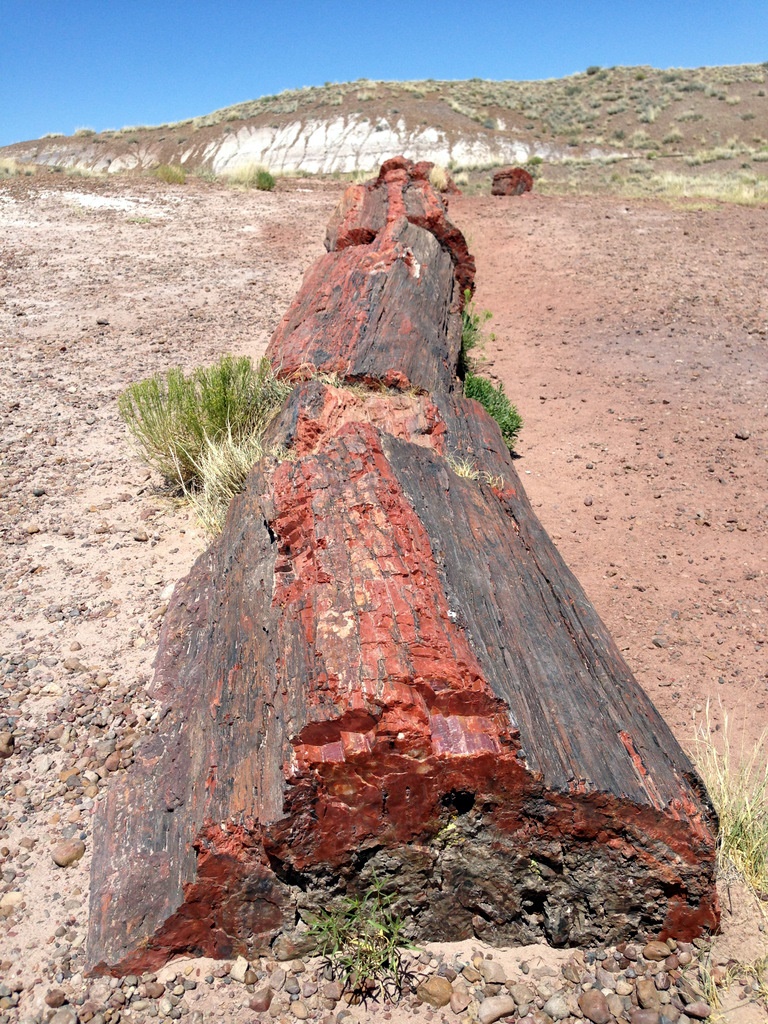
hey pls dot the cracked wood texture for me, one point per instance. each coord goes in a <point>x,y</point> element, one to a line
<point>383,669</point>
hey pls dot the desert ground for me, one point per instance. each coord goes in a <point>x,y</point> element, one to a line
<point>632,335</point>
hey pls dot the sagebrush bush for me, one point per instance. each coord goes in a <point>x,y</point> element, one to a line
<point>175,419</point>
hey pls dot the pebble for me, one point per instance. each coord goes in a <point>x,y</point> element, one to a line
<point>492,972</point>
<point>260,1001</point>
<point>699,1010</point>
<point>7,744</point>
<point>656,950</point>
<point>494,1008</point>
<point>436,991</point>
<point>594,1006</point>
<point>68,852</point>
<point>557,1007</point>
<point>460,999</point>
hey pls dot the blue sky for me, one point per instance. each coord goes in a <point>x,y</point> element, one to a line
<point>68,64</point>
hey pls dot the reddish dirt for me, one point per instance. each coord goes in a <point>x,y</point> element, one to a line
<point>632,336</point>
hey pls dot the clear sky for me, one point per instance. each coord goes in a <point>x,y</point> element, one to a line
<point>67,64</point>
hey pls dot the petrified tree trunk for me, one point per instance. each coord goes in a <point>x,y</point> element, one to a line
<point>383,667</point>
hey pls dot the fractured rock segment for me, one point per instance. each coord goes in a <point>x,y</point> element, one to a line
<point>511,181</point>
<point>384,669</point>
<point>402,189</point>
<point>376,313</point>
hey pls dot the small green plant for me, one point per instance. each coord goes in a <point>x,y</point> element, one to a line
<point>738,786</point>
<point>497,404</point>
<point>362,939</point>
<point>171,174</point>
<point>491,397</point>
<point>472,323</point>
<point>177,420</point>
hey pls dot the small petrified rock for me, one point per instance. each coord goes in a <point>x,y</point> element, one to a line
<point>55,998</point>
<point>647,994</point>
<point>699,1010</point>
<point>557,1007</point>
<point>436,991</point>
<point>523,994</point>
<point>495,1008</point>
<point>68,852</point>
<point>460,999</point>
<point>645,1017</point>
<point>656,951</point>
<point>7,744</point>
<point>511,181</point>
<point>492,972</point>
<point>594,1006</point>
<point>242,971</point>
<point>260,1001</point>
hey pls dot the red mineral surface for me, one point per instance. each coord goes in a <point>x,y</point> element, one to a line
<point>511,181</point>
<point>383,669</point>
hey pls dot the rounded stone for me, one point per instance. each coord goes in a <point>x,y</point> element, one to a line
<point>435,991</point>
<point>656,950</point>
<point>68,852</point>
<point>699,1010</point>
<point>494,1008</point>
<point>594,1006</point>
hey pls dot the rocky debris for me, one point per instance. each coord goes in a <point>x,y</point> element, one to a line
<point>600,986</point>
<point>468,736</point>
<point>511,181</point>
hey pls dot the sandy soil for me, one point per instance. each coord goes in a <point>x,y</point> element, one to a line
<point>633,338</point>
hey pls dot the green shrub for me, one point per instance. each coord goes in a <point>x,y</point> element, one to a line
<point>496,404</point>
<point>492,398</point>
<point>171,174</point>
<point>176,419</point>
<point>472,323</point>
<point>361,940</point>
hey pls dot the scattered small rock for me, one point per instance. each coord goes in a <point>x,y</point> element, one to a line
<point>594,1006</point>
<point>494,1008</point>
<point>68,852</point>
<point>436,991</point>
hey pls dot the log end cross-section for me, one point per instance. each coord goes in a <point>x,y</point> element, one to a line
<point>383,670</point>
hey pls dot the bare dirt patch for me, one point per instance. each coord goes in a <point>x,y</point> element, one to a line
<point>631,335</point>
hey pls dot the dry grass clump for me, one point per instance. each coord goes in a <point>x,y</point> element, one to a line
<point>10,168</point>
<point>203,432</point>
<point>438,178</point>
<point>737,781</point>
<point>251,176</point>
<point>171,174</point>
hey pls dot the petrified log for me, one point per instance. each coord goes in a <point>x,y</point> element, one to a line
<point>384,669</point>
<point>511,181</point>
